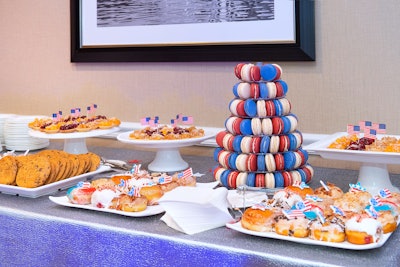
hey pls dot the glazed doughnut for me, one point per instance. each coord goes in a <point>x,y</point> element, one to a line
<point>153,193</point>
<point>353,201</point>
<point>81,194</point>
<point>363,230</point>
<point>256,219</point>
<point>302,190</point>
<point>129,203</point>
<point>332,230</point>
<point>329,191</point>
<point>297,227</point>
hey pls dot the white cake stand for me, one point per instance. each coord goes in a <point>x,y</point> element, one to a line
<point>74,143</point>
<point>168,157</point>
<point>373,173</point>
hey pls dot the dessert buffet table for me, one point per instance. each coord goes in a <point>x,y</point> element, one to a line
<point>37,232</point>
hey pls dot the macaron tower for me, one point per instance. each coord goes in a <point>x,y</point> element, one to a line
<point>260,146</point>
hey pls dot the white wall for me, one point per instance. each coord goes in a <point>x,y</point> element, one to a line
<point>355,76</point>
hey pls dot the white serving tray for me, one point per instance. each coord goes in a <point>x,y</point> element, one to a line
<point>373,174</point>
<point>345,245</point>
<point>151,210</point>
<point>49,188</point>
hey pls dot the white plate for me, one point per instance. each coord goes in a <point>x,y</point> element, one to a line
<point>124,137</point>
<point>49,188</point>
<point>345,245</point>
<point>151,210</point>
<point>321,148</point>
<point>92,133</point>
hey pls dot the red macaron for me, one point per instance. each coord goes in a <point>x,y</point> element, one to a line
<point>232,179</point>
<point>255,144</point>
<point>284,143</point>
<point>252,163</point>
<point>270,108</point>
<point>287,178</point>
<point>238,70</point>
<point>254,90</point>
<point>220,137</point>
<point>277,125</point>
<point>279,162</point>
<point>260,180</point>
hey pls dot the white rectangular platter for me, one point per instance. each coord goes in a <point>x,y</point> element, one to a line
<point>151,210</point>
<point>50,188</point>
<point>345,245</point>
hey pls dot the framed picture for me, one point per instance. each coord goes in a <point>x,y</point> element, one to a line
<point>192,31</point>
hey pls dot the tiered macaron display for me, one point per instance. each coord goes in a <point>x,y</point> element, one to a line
<point>260,146</point>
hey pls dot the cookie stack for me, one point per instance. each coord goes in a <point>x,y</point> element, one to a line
<point>260,146</point>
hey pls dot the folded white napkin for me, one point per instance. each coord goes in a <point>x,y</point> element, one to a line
<point>193,210</point>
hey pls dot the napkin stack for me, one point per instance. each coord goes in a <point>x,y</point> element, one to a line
<point>193,210</point>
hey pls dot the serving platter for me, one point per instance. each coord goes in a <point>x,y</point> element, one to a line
<point>373,173</point>
<point>344,245</point>
<point>74,143</point>
<point>50,188</point>
<point>168,157</point>
<point>151,210</point>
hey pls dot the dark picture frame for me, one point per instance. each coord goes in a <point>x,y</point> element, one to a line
<point>303,49</point>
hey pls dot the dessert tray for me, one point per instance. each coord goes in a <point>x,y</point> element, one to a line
<point>151,210</point>
<point>308,241</point>
<point>74,143</point>
<point>50,188</point>
<point>373,174</point>
<point>168,157</point>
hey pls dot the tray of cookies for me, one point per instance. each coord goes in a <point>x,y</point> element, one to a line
<point>325,216</point>
<point>46,172</point>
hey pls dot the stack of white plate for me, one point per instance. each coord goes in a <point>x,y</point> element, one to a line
<point>16,134</point>
<point>3,118</point>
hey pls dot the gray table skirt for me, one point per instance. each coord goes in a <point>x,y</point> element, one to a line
<point>37,232</point>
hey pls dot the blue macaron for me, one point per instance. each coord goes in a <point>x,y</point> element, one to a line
<point>268,72</point>
<point>284,86</point>
<point>263,90</point>
<point>236,143</point>
<point>251,179</point>
<point>290,160</point>
<point>245,127</point>
<point>216,152</point>
<point>303,175</point>
<point>261,163</point>
<point>293,142</point>
<point>232,160</point>
<point>264,144</point>
<point>286,124</point>
<point>250,107</point>
<point>224,178</point>
<point>279,182</point>
<point>278,107</point>
<point>235,90</point>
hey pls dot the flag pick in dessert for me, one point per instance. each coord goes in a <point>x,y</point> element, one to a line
<point>324,185</point>
<point>293,214</point>
<point>337,210</point>
<point>379,127</point>
<point>385,193</point>
<point>187,120</point>
<point>353,129</point>
<point>55,117</point>
<point>185,174</point>
<point>356,187</point>
<point>370,133</point>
